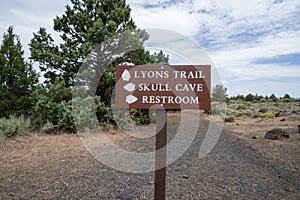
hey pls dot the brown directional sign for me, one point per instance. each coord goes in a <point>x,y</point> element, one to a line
<point>163,86</point>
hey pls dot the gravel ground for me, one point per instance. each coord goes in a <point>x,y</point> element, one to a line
<point>59,167</point>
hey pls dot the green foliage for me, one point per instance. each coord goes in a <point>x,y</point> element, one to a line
<point>268,115</point>
<point>103,112</point>
<point>238,97</point>
<point>126,121</point>
<point>256,114</point>
<point>208,112</point>
<point>106,85</point>
<point>90,113</point>
<point>241,106</point>
<point>55,106</point>
<point>263,100</point>
<point>84,25</point>
<point>238,108</point>
<point>259,98</point>
<point>263,110</point>
<point>48,99</point>
<point>219,93</point>
<point>140,116</point>
<point>218,108</point>
<point>17,78</point>
<point>273,98</point>
<point>65,117</point>
<point>249,97</point>
<point>48,128</point>
<point>159,58</point>
<point>229,119</point>
<point>12,126</point>
<point>285,100</point>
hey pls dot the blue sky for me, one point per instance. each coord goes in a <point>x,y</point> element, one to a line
<point>255,44</point>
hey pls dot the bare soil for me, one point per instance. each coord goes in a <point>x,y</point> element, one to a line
<point>283,151</point>
<point>239,167</point>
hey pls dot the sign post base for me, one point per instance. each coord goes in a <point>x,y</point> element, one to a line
<point>160,154</point>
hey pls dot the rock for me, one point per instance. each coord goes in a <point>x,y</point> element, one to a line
<point>292,118</point>
<point>297,112</point>
<point>279,114</point>
<point>276,134</point>
<point>185,176</point>
<point>282,120</point>
<point>263,110</point>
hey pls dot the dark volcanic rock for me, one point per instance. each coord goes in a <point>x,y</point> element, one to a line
<point>263,110</point>
<point>279,114</point>
<point>276,134</point>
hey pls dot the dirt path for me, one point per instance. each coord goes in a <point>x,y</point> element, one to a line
<point>59,167</point>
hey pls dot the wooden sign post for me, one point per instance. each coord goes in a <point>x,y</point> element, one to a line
<point>163,87</point>
<point>160,155</point>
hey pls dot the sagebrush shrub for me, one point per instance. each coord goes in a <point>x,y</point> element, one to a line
<point>229,119</point>
<point>14,125</point>
<point>49,128</point>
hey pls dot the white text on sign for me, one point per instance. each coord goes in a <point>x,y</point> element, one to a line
<point>165,74</point>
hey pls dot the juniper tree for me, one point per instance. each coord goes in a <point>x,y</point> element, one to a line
<point>85,28</point>
<point>219,93</point>
<point>85,25</point>
<point>17,78</point>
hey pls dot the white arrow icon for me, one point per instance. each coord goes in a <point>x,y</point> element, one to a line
<point>126,75</point>
<point>131,99</point>
<point>129,87</point>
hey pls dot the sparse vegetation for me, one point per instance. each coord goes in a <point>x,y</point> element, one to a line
<point>268,115</point>
<point>253,106</point>
<point>262,108</point>
<point>219,93</point>
<point>229,119</point>
<point>12,126</point>
<point>84,25</point>
<point>50,105</point>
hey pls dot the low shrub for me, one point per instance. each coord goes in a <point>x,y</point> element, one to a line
<point>49,128</point>
<point>87,113</point>
<point>66,118</point>
<point>140,116</point>
<point>229,119</point>
<point>14,125</point>
<point>241,106</point>
<point>263,100</point>
<point>208,112</point>
<point>268,115</point>
<point>263,110</point>
<point>239,114</point>
<point>122,119</point>
<point>256,115</point>
<point>248,104</point>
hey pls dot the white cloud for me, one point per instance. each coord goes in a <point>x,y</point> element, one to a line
<point>239,61</point>
<point>175,17</point>
<point>27,16</point>
<point>235,33</point>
